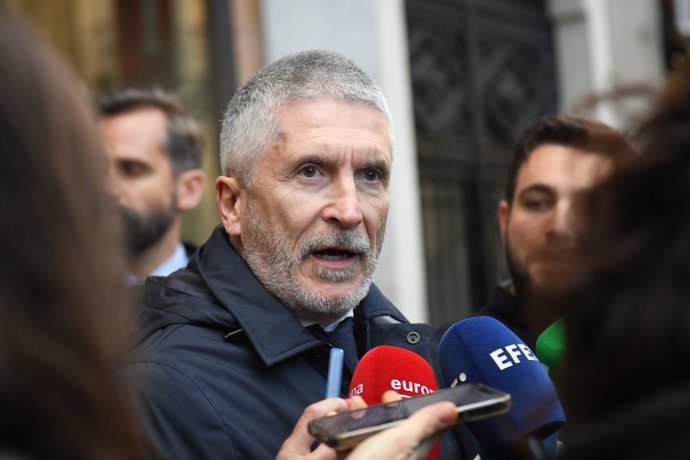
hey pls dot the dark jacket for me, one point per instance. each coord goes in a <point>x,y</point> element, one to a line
<point>224,370</point>
<point>509,310</point>
<point>190,248</point>
<point>506,308</point>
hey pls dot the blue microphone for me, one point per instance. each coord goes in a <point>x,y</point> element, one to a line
<point>482,350</point>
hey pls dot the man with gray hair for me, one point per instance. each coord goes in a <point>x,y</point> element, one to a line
<point>237,345</point>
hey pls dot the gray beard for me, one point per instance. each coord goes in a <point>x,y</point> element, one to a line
<point>275,264</point>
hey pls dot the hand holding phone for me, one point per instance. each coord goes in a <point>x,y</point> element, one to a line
<point>413,439</point>
<point>346,430</point>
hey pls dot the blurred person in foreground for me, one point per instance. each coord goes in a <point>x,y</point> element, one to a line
<point>557,158</point>
<point>155,151</point>
<point>626,371</point>
<point>60,277</point>
<point>236,346</point>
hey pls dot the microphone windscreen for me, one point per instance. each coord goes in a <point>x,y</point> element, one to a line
<point>482,350</point>
<point>386,368</point>
<point>550,345</point>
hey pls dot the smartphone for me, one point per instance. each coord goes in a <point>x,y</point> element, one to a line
<point>474,401</point>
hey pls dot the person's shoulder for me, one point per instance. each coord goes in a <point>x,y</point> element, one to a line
<point>190,248</point>
<point>183,365</point>
<point>177,319</point>
<point>172,399</point>
<point>183,294</point>
<point>505,307</point>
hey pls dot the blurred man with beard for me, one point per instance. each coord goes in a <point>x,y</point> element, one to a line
<point>236,346</point>
<point>155,153</point>
<point>554,162</point>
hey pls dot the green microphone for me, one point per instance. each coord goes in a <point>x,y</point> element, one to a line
<point>550,345</point>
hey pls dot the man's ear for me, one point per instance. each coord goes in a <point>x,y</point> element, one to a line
<point>189,188</point>
<point>231,201</point>
<point>503,216</point>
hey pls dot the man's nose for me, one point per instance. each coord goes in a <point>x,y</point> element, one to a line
<point>562,222</point>
<point>343,205</point>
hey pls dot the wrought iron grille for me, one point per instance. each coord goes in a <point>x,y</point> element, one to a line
<point>482,70</point>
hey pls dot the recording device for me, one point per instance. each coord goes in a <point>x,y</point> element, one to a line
<point>481,349</point>
<point>550,345</point>
<point>346,430</point>
<point>386,368</point>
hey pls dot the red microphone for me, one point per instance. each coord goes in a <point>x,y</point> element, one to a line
<point>392,368</point>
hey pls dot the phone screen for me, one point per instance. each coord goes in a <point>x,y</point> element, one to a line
<point>473,402</point>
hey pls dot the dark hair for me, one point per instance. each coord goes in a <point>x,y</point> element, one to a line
<point>60,276</point>
<point>184,144</point>
<point>578,133</point>
<point>628,328</point>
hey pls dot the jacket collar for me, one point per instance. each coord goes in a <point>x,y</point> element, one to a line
<point>273,330</point>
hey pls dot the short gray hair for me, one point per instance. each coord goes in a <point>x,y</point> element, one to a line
<point>250,126</point>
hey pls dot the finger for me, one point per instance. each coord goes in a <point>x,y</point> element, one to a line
<point>323,452</point>
<point>356,402</point>
<point>425,422</point>
<point>343,454</point>
<point>300,441</point>
<point>390,396</point>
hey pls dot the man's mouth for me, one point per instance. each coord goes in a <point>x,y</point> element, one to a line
<point>555,262</point>
<point>334,254</point>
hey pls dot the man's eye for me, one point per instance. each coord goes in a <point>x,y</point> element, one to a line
<point>372,175</point>
<point>536,204</point>
<point>132,168</point>
<point>309,171</point>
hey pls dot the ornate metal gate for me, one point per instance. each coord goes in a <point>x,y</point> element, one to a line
<point>482,70</point>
